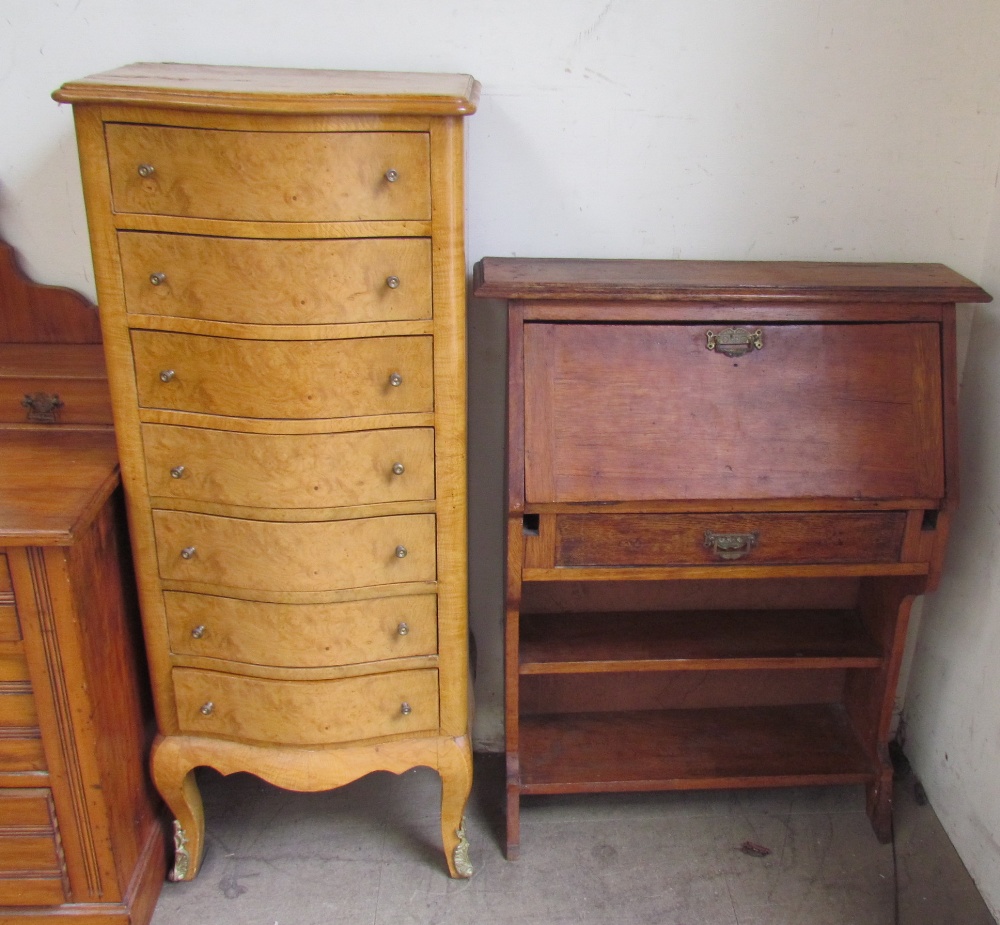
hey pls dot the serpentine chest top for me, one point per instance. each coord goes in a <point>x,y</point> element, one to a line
<point>727,483</point>
<point>281,275</point>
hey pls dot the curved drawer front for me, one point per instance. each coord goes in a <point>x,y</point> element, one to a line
<point>268,556</point>
<point>306,712</point>
<point>289,470</point>
<point>269,176</point>
<point>301,635</point>
<point>276,281</point>
<point>650,540</point>
<point>283,379</point>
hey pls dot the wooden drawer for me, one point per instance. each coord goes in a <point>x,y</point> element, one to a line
<point>32,868</point>
<point>289,470</point>
<point>646,412</point>
<point>301,635</point>
<point>276,282</point>
<point>623,540</point>
<point>283,379</point>
<point>315,556</point>
<point>269,176</point>
<point>306,712</point>
<point>53,384</point>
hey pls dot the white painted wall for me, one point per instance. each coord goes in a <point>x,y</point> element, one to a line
<point>813,129</point>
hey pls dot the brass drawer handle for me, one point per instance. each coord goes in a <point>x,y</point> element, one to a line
<point>730,546</point>
<point>734,342</point>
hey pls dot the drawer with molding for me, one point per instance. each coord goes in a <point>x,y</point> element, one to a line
<point>289,470</point>
<point>283,378</point>
<point>31,855</point>
<point>230,552</point>
<point>341,710</point>
<point>259,281</point>
<point>301,635</point>
<point>626,540</point>
<point>54,384</point>
<point>321,176</point>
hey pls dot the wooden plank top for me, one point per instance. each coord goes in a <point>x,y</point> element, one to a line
<point>720,280</point>
<point>52,482</point>
<point>219,88</point>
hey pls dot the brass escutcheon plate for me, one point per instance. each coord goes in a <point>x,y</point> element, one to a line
<point>734,342</point>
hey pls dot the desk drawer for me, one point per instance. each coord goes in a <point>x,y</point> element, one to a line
<point>269,176</point>
<point>283,379</point>
<point>301,635</point>
<point>289,470</point>
<point>317,556</point>
<point>650,540</point>
<point>306,712</point>
<point>276,282</point>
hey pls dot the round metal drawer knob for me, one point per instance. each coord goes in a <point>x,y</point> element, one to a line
<point>146,170</point>
<point>395,379</point>
<point>157,279</point>
<point>392,282</point>
<point>166,375</point>
<point>403,629</point>
<point>207,708</point>
<point>198,632</point>
<point>405,709</point>
<point>400,552</point>
<point>188,552</point>
<point>392,175</point>
<point>177,472</point>
<point>398,469</point>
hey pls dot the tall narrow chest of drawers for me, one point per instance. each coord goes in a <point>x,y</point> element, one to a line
<point>279,259</point>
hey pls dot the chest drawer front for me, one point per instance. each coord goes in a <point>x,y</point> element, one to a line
<point>277,282</point>
<point>315,556</point>
<point>646,412</point>
<point>306,712</point>
<point>269,176</point>
<point>301,635</point>
<point>289,470</point>
<point>31,862</point>
<point>283,379</point>
<point>634,540</point>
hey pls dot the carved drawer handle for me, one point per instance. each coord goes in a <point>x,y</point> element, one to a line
<point>730,546</point>
<point>42,407</point>
<point>734,342</point>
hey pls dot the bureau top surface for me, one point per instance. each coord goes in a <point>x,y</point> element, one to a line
<point>52,483</point>
<point>279,90</point>
<point>720,280</point>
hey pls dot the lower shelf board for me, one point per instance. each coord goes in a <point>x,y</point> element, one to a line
<point>691,749</point>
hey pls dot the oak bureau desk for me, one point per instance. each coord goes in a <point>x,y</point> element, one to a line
<point>281,274</point>
<point>727,483</point>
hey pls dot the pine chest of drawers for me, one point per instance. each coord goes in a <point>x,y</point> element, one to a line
<point>279,256</point>
<point>727,484</point>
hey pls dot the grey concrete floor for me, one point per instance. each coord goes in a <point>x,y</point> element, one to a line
<point>370,853</point>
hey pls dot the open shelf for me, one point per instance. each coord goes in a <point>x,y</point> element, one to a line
<point>694,640</point>
<point>690,749</point>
